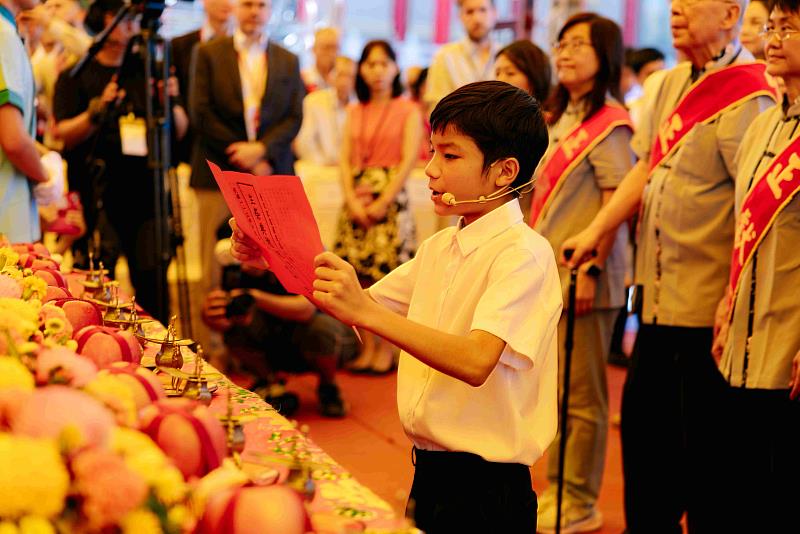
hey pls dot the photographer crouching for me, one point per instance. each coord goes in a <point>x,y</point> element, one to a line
<point>267,330</point>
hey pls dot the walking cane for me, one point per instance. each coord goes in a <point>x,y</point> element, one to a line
<point>568,344</point>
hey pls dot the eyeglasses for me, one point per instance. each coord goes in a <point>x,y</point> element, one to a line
<point>570,46</point>
<point>782,35</point>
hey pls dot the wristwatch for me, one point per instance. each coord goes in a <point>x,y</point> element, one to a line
<point>594,270</point>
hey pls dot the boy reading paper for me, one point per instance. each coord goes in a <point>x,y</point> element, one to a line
<point>475,314</point>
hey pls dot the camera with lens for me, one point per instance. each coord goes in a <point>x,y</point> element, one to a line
<point>240,305</point>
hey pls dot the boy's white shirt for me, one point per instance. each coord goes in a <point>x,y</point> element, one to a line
<point>496,275</point>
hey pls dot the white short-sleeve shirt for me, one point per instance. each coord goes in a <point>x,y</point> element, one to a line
<point>499,276</point>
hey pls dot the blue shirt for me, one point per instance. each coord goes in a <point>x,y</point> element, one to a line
<point>19,217</point>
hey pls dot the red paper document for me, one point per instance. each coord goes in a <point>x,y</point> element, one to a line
<point>274,211</point>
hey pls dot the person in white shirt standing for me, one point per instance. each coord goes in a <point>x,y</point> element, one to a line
<point>326,50</point>
<point>324,114</point>
<point>468,60</point>
<point>475,313</point>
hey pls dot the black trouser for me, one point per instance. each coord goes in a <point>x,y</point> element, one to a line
<point>673,405</point>
<point>461,492</point>
<point>763,475</point>
<point>137,241</point>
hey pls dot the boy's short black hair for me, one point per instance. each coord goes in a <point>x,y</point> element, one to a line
<point>787,6</point>
<point>503,121</point>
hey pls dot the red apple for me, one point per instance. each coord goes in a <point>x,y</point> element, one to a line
<point>105,345</point>
<point>38,248</point>
<point>188,433</point>
<point>51,409</point>
<point>35,261</point>
<point>56,293</point>
<point>53,277</point>
<point>80,313</point>
<point>144,385</point>
<point>256,510</point>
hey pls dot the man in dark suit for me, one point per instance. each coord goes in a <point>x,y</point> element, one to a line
<point>218,22</point>
<point>246,107</point>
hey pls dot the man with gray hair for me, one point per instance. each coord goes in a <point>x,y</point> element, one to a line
<point>686,143</point>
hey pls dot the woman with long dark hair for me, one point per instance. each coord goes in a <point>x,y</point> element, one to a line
<point>379,149</point>
<point>588,156</point>
<point>526,66</point>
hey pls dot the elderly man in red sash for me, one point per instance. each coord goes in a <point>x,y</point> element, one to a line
<point>759,320</point>
<point>686,144</point>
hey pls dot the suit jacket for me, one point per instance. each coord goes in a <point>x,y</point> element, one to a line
<point>218,110</point>
<point>182,48</point>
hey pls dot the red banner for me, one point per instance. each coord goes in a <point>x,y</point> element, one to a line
<point>709,97</point>
<point>770,194</point>
<point>400,18</point>
<point>572,149</point>
<point>441,21</point>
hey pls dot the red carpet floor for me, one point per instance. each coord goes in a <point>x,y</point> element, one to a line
<point>371,444</point>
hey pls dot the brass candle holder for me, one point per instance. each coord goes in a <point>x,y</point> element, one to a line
<point>169,360</point>
<point>234,430</point>
<point>95,280</point>
<point>195,386</point>
<point>299,477</point>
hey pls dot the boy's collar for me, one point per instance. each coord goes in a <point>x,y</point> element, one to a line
<point>6,14</point>
<point>487,226</point>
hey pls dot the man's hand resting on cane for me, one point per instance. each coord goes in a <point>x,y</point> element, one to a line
<point>583,246</point>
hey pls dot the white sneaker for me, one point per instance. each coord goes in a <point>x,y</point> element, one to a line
<point>576,519</point>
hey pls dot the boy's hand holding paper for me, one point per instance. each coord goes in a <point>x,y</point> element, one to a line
<point>245,250</point>
<point>338,290</point>
<point>273,215</point>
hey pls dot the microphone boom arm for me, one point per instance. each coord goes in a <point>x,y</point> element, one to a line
<point>527,187</point>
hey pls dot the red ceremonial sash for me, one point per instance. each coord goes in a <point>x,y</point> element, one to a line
<point>710,96</point>
<point>762,205</point>
<point>571,150</point>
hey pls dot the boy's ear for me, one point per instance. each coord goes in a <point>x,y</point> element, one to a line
<point>505,171</point>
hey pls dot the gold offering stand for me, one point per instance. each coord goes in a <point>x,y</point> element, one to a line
<point>95,285</point>
<point>170,360</point>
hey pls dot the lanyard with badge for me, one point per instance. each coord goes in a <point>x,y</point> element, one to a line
<point>253,86</point>
<point>133,135</point>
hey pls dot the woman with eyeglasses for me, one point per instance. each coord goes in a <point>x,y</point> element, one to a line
<point>759,319</point>
<point>589,154</point>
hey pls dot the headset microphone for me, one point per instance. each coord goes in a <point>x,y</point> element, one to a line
<point>450,198</point>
